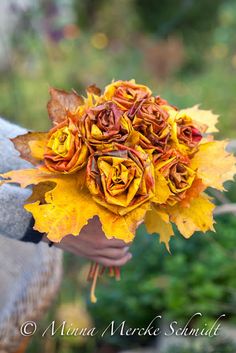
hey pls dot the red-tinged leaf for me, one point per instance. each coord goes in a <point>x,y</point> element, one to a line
<point>31,146</point>
<point>193,192</point>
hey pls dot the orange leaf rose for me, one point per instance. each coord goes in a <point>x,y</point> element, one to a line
<point>103,125</point>
<point>126,93</point>
<point>65,152</point>
<point>175,168</point>
<point>188,132</point>
<point>152,122</point>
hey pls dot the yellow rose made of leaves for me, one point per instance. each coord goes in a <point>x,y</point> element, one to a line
<point>121,179</point>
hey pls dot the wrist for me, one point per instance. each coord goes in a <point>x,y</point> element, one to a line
<point>31,235</point>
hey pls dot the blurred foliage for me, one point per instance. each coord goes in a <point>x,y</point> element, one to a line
<point>187,17</point>
<point>107,17</point>
<point>217,346</point>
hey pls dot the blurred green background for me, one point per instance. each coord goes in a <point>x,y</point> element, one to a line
<point>185,50</point>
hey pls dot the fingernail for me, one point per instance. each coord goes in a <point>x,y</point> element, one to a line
<point>126,248</point>
<point>130,256</point>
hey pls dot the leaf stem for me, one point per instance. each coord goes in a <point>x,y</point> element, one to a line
<point>94,283</point>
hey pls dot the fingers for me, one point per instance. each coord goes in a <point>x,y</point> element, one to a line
<point>84,248</point>
<point>116,243</point>
<point>104,242</point>
<point>112,262</point>
<point>108,252</point>
<point>100,241</point>
<point>112,253</point>
<point>93,232</point>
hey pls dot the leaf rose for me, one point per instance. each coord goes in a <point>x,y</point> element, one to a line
<point>65,151</point>
<point>152,122</point>
<point>188,132</point>
<point>178,174</point>
<point>126,93</point>
<point>103,125</point>
<point>120,179</point>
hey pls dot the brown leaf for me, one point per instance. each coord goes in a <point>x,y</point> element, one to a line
<point>23,144</point>
<point>94,90</point>
<point>62,103</point>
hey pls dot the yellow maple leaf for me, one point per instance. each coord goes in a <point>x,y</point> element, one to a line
<point>157,221</point>
<point>197,217</point>
<point>214,164</point>
<point>66,210</point>
<point>206,117</point>
<point>122,227</point>
<point>64,206</point>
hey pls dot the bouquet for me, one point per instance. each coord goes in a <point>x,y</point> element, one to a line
<point>125,156</point>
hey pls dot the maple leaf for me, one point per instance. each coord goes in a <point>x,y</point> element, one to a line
<point>66,210</point>
<point>62,103</point>
<point>67,205</point>
<point>214,164</point>
<point>205,117</point>
<point>31,146</point>
<point>122,227</point>
<point>64,206</point>
<point>157,221</point>
<point>197,217</point>
<point>26,177</point>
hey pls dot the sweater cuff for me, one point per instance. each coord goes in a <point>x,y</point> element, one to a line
<point>31,235</point>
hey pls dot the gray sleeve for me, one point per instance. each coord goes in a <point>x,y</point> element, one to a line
<point>14,219</point>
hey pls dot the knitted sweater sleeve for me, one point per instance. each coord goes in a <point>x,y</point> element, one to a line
<point>14,220</point>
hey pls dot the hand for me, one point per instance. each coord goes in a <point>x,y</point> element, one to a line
<point>93,245</point>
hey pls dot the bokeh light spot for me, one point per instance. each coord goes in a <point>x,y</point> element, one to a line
<point>99,40</point>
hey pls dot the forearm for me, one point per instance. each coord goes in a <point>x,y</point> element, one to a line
<point>14,220</point>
